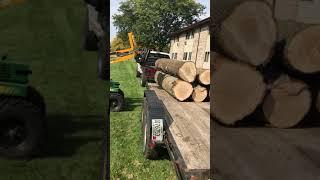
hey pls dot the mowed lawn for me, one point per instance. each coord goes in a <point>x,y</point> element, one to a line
<point>127,160</point>
<point>46,34</point>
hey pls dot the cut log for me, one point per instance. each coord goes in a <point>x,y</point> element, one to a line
<point>249,33</point>
<point>185,70</point>
<point>287,103</point>
<point>203,76</point>
<point>179,89</point>
<point>199,93</point>
<point>238,90</point>
<point>303,51</point>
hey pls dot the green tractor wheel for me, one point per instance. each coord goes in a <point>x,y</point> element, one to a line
<point>116,102</point>
<point>22,129</point>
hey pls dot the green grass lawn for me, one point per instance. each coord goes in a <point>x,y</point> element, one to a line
<point>127,160</point>
<point>46,34</point>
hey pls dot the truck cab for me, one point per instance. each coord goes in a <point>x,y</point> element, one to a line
<point>146,65</point>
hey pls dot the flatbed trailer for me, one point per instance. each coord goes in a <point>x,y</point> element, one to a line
<point>182,128</point>
<point>254,152</point>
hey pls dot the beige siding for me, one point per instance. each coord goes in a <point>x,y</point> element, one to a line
<point>198,45</point>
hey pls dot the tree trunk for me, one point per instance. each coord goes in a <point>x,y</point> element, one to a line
<point>179,89</point>
<point>185,70</point>
<point>288,102</point>
<point>203,76</point>
<point>303,51</point>
<point>238,90</point>
<point>199,93</point>
<point>249,33</point>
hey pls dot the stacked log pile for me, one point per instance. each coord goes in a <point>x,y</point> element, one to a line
<point>182,79</point>
<point>254,68</point>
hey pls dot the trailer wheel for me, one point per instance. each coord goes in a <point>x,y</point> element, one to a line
<point>22,129</point>
<point>150,150</point>
<point>116,102</point>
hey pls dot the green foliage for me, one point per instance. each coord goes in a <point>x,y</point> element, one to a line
<point>117,43</point>
<point>153,21</point>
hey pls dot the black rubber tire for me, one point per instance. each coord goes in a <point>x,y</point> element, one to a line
<point>118,99</point>
<point>90,40</point>
<point>103,65</point>
<point>19,114</point>
<point>143,80</point>
<point>37,99</point>
<point>148,152</point>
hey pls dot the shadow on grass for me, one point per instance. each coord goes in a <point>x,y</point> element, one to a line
<point>132,103</point>
<point>61,142</point>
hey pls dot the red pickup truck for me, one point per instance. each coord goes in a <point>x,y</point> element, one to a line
<point>146,65</point>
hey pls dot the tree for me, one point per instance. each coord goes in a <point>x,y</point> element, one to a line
<point>153,21</point>
<point>117,43</point>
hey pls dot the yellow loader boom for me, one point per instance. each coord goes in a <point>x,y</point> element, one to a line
<point>130,51</point>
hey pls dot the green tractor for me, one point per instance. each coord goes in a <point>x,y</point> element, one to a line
<point>22,112</point>
<point>116,100</point>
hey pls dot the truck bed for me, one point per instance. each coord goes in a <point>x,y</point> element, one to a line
<point>190,129</point>
<point>264,153</point>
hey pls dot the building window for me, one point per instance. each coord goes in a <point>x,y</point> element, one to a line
<point>185,55</point>
<point>176,39</point>
<point>172,56</point>
<point>190,35</point>
<point>176,55</point>
<point>190,55</point>
<point>206,57</point>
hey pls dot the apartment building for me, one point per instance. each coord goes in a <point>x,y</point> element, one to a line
<point>192,43</point>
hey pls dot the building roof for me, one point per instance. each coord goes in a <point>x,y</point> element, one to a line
<point>192,26</point>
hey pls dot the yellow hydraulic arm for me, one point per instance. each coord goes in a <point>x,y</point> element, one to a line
<point>129,50</point>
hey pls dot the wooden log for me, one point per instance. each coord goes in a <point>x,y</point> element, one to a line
<point>303,51</point>
<point>185,70</point>
<point>287,103</point>
<point>199,93</point>
<point>203,76</point>
<point>179,89</point>
<point>249,33</point>
<point>238,90</point>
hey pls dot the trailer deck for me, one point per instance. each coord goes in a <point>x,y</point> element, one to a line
<point>189,128</point>
<point>264,153</point>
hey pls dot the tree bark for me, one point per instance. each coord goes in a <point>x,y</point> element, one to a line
<point>199,93</point>
<point>203,76</point>
<point>303,51</point>
<point>287,103</point>
<point>179,89</point>
<point>185,70</point>
<point>249,33</point>
<point>238,90</point>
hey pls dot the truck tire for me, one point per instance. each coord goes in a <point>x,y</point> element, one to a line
<point>21,131</point>
<point>116,102</point>
<point>90,40</point>
<point>143,80</point>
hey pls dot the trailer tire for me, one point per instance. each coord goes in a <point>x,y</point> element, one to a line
<point>149,151</point>
<point>22,130</point>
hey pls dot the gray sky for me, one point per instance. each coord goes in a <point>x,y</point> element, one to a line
<point>114,5</point>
